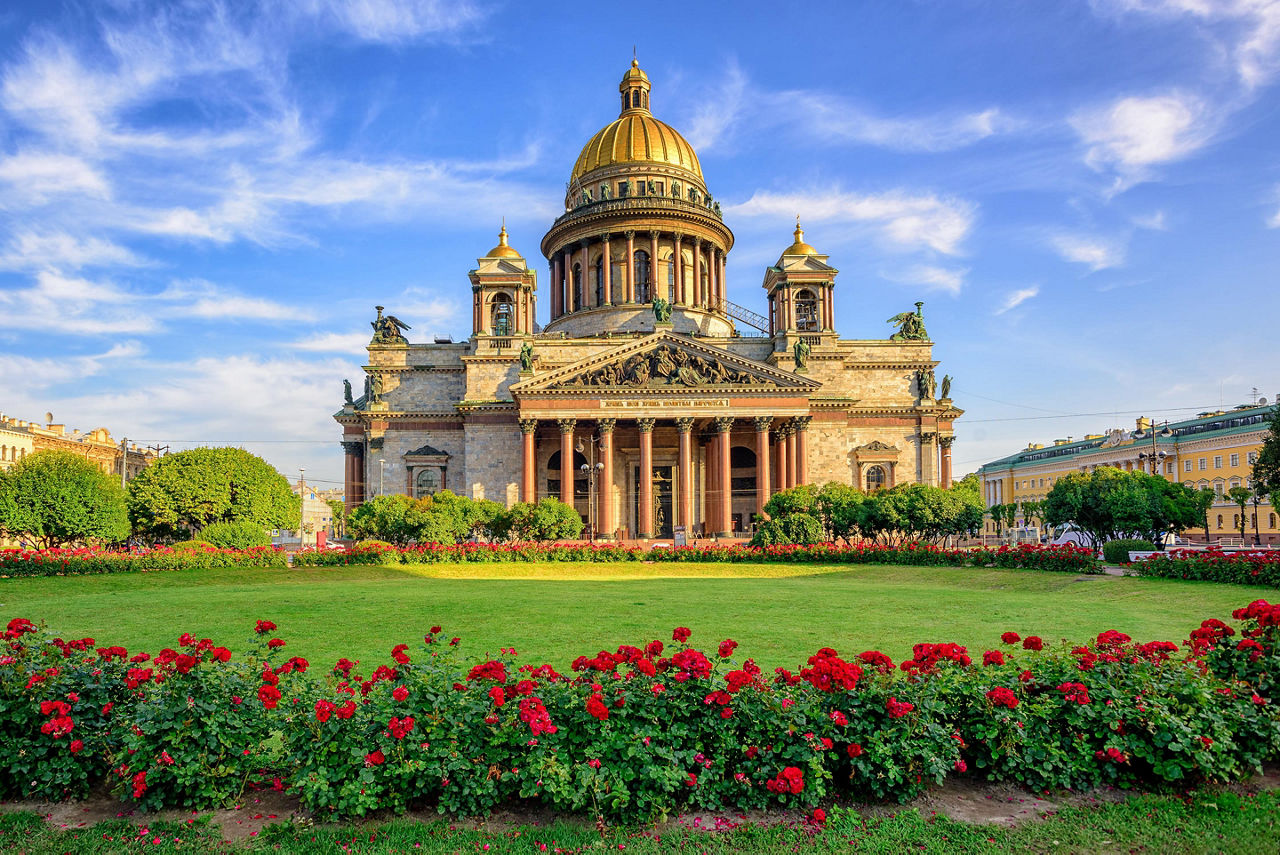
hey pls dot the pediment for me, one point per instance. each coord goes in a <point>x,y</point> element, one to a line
<point>666,360</point>
<point>804,264</point>
<point>875,448</point>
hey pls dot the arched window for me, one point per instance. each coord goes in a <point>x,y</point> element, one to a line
<point>1219,520</point>
<point>875,478</point>
<point>502,315</point>
<point>671,274</point>
<point>600,281</point>
<point>1271,521</point>
<point>427,483</point>
<point>577,286</point>
<point>704,283</point>
<point>806,311</point>
<point>643,283</point>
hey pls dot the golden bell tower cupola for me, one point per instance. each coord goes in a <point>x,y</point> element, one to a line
<point>635,90</point>
<point>503,292</point>
<point>801,289</point>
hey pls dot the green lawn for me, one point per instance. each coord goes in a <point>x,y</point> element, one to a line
<point>553,612</point>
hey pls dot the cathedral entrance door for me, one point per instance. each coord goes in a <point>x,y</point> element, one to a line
<point>663,485</point>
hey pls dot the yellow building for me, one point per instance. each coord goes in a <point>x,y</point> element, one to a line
<point>20,438</point>
<point>1215,450</point>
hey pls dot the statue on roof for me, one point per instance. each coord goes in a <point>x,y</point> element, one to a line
<point>910,325</point>
<point>946,385</point>
<point>389,329</point>
<point>346,392</point>
<point>802,351</point>
<point>526,356</point>
<point>661,311</point>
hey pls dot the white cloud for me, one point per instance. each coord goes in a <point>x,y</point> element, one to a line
<point>60,304</point>
<point>198,298</point>
<point>34,176</point>
<point>396,20</point>
<point>42,373</point>
<point>902,218</point>
<point>932,277</point>
<point>736,106</point>
<point>35,251</point>
<point>1097,252</point>
<point>1155,221</point>
<point>1131,135</point>
<point>333,342</point>
<point>1016,298</point>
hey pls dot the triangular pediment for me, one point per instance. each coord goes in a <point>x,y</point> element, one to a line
<point>793,264</point>
<point>666,360</point>
<point>877,446</point>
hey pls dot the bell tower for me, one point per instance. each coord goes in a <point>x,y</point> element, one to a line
<point>801,288</point>
<point>503,289</point>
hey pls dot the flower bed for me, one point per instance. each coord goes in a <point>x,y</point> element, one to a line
<point>1067,558</point>
<point>73,562</point>
<point>634,733</point>
<point>1212,565</point>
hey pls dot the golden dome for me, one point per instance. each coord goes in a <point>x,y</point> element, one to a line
<point>502,250</point>
<point>636,136</point>
<point>799,247</point>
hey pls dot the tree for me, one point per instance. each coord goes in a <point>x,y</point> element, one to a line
<point>997,517</point>
<point>1108,504</point>
<point>338,512</point>
<point>1266,469</point>
<point>837,509</point>
<point>549,519</point>
<point>55,498</point>
<point>1259,496</point>
<point>1204,499</point>
<point>381,518</point>
<point>1241,496</point>
<point>182,493</point>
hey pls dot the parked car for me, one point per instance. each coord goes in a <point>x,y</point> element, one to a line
<point>1068,533</point>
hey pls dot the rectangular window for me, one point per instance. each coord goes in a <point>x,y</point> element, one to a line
<point>1169,468</point>
<point>1235,460</point>
<point>657,188</point>
<point>1186,466</point>
<point>1217,461</point>
<point>1204,463</point>
<point>1253,457</point>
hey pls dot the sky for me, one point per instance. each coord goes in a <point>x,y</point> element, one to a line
<point>201,202</point>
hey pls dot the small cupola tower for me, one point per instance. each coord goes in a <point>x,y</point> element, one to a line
<point>635,90</point>
<point>503,289</point>
<point>801,287</point>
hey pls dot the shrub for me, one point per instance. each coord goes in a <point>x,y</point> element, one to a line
<point>802,529</point>
<point>1213,565</point>
<point>191,546</point>
<point>236,535</point>
<point>1117,551</point>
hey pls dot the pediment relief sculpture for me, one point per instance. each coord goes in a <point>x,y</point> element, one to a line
<point>664,365</point>
<point>876,447</point>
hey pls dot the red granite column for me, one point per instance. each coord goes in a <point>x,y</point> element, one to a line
<point>791,456</point>
<point>685,427</point>
<point>724,471</point>
<point>802,449</point>
<point>566,299</point>
<point>762,462</point>
<point>529,468</point>
<point>606,268</point>
<point>945,442</point>
<point>677,258</point>
<point>604,503</point>
<point>710,490</point>
<point>566,460</point>
<point>780,458</point>
<point>653,267</point>
<point>630,296</point>
<point>645,522</point>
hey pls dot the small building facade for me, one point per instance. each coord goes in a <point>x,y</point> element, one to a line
<point>649,400</point>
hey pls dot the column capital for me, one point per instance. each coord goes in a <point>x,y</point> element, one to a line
<point>927,435</point>
<point>945,441</point>
<point>724,424</point>
<point>607,425</point>
<point>605,236</point>
<point>784,430</point>
<point>528,425</point>
<point>762,423</point>
<point>678,236</point>
<point>352,446</point>
<point>630,234</point>
<point>646,424</point>
<point>684,424</point>
<point>697,242</point>
<point>654,234</point>
<point>802,422</point>
<point>567,425</point>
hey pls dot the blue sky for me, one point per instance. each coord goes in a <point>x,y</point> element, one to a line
<point>200,203</point>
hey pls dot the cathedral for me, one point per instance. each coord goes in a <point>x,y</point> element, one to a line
<point>649,400</point>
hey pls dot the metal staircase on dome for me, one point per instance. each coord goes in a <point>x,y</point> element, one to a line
<point>745,315</point>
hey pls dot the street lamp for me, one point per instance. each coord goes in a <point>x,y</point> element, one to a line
<point>382,466</point>
<point>1154,457</point>
<point>302,506</point>
<point>591,494</point>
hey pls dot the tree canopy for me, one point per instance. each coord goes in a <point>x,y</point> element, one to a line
<point>181,493</point>
<point>1110,504</point>
<point>1266,469</point>
<point>449,518</point>
<point>56,498</point>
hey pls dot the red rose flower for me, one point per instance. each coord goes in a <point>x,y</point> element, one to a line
<point>854,750</point>
<point>400,693</point>
<point>727,647</point>
<point>681,634</point>
<point>993,657</point>
<point>374,758</point>
<point>1011,638</point>
<point>1002,697</point>
<point>1033,642</point>
<point>270,697</point>
<point>263,627</point>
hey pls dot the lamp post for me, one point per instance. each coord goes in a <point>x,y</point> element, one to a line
<point>302,506</point>
<point>1154,456</point>
<point>591,468</point>
<point>382,466</point>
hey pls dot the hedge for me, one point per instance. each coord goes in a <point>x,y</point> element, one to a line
<point>1261,567</point>
<point>632,734</point>
<point>75,562</point>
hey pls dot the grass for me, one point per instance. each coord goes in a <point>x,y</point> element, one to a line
<point>1221,822</point>
<point>553,612</point>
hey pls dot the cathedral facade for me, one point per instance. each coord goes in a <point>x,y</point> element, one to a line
<point>649,400</point>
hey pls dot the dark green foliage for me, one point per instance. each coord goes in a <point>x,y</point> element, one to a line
<point>182,493</point>
<point>909,512</point>
<point>236,535</point>
<point>549,519</point>
<point>801,529</point>
<point>442,518</point>
<point>55,498</point>
<point>1117,551</point>
<point>1266,469</point>
<point>1109,504</point>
